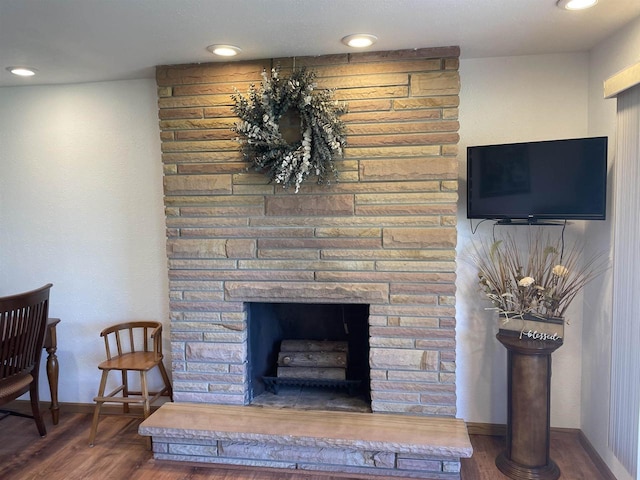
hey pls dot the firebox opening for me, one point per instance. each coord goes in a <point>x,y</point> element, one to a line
<point>317,324</point>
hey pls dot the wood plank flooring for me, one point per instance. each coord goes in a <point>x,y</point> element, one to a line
<point>120,453</point>
<point>566,451</point>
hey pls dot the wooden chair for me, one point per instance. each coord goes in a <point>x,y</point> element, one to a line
<point>133,346</point>
<point>23,323</point>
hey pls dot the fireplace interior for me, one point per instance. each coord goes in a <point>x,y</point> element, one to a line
<point>269,324</point>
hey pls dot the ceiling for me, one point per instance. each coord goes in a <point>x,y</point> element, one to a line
<point>70,41</point>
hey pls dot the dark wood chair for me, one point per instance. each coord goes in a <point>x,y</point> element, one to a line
<point>23,322</point>
<point>136,347</point>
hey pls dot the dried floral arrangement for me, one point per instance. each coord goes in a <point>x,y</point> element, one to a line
<point>541,280</point>
<point>322,132</point>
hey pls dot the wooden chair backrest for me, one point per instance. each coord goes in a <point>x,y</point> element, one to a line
<point>133,337</point>
<point>23,324</point>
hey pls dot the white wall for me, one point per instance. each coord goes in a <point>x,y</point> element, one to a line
<point>81,207</point>
<point>513,99</point>
<point>614,54</point>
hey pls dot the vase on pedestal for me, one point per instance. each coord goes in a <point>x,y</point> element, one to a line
<point>526,455</point>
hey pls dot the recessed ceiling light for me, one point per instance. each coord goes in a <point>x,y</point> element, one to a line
<point>224,50</point>
<point>22,71</point>
<point>359,40</point>
<point>576,4</point>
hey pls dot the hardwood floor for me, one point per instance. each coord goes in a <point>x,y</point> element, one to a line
<point>120,453</point>
<point>566,451</point>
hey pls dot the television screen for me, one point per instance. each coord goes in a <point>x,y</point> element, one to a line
<point>547,180</point>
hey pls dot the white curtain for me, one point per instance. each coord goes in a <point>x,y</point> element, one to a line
<point>625,362</point>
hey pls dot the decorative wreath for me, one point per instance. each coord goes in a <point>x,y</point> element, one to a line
<point>321,135</point>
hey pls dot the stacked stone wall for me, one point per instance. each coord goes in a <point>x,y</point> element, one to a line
<point>384,234</point>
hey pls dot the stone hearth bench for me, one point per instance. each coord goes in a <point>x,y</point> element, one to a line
<point>362,444</point>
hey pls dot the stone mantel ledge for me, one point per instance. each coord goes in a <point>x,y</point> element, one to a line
<point>307,292</point>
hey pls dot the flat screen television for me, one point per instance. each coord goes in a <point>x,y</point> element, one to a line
<point>538,181</point>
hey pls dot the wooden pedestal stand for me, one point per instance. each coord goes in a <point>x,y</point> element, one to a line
<point>528,410</point>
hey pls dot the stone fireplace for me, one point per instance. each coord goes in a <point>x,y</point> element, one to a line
<point>383,236</point>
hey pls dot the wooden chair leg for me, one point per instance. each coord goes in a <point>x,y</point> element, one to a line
<point>144,391</point>
<point>125,390</point>
<point>167,382</point>
<point>35,408</point>
<point>96,411</point>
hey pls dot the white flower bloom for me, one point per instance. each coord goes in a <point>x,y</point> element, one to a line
<point>526,282</point>
<point>560,271</point>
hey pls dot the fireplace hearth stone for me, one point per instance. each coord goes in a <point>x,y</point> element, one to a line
<point>359,444</point>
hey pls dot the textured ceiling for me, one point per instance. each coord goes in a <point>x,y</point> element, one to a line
<point>71,41</point>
